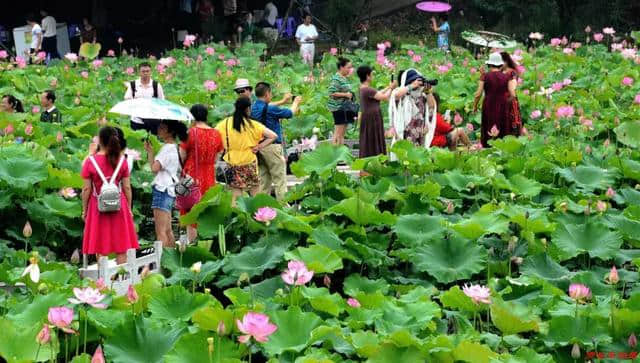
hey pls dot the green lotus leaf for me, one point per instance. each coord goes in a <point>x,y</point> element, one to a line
<point>509,144</point>
<point>62,178</point>
<point>209,317</point>
<point>389,352</point>
<point>62,207</point>
<point>361,212</point>
<point>544,267</point>
<point>171,257</point>
<point>588,178</point>
<point>355,284</point>
<point>90,50</point>
<point>253,261</point>
<point>22,172</point>
<point>294,331</point>
<point>513,318</point>
<point>212,211</point>
<point>322,300</point>
<point>175,303</point>
<point>318,258</point>
<point>625,322</point>
<point>326,237</point>
<point>458,181</point>
<point>521,185</point>
<point>566,330</point>
<point>628,133</point>
<point>528,355</point>
<point>471,352</point>
<point>322,160</point>
<point>456,299</point>
<point>480,224</point>
<point>417,229</point>
<point>141,340</point>
<point>18,343</point>
<point>332,337</point>
<point>449,260</point>
<point>193,348</point>
<point>82,358</point>
<point>591,237</point>
<point>415,317</point>
<point>33,313</point>
<point>365,342</point>
<point>107,320</point>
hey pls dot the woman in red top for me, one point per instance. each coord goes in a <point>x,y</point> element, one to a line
<point>200,153</point>
<point>110,232</point>
<point>510,68</point>
<point>446,135</point>
<point>498,89</point>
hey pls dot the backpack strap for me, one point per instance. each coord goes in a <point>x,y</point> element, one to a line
<point>98,170</point>
<point>133,89</point>
<point>117,171</point>
<point>154,84</point>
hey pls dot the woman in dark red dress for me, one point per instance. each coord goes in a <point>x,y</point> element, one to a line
<point>200,153</point>
<point>510,68</point>
<point>497,88</point>
<point>372,140</point>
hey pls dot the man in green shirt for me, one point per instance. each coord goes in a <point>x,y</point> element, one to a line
<point>50,113</point>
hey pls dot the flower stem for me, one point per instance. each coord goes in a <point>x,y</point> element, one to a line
<point>85,330</point>
<point>38,352</point>
<point>66,347</point>
<point>576,309</point>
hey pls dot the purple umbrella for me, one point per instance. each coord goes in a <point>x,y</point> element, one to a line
<point>433,6</point>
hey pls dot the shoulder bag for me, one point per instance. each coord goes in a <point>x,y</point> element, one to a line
<point>188,191</point>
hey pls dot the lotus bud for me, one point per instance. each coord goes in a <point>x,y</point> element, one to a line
<point>207,290</point>
<point>132,295</point>
<point>613,277</point>
<point>27,231</point>
<point>587,149</point>
<point>450,207</point>
<point>513,196</point>
<point>145,272</point>
<point>44,336</point>
<point>221,329</point>
<point>601,206</point>
<point>543,241</point>
<point>195,268</point>
<point>76,101</point>
<point>43,289</point>
<point>563,207</point>
<point>632,341</point>
<point>610,192</point>
<point>210,342</point>
<point>75,256</point>
<point>575,351</point>
<point>59,137</point>
<point>327,281</point>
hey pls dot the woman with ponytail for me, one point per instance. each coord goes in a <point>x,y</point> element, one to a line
<point>10,104</point>
<point>242,138</point>
<point>111,232</point>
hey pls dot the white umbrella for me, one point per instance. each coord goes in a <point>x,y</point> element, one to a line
<point>152,108</point>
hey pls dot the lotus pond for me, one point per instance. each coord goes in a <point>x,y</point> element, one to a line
<point>437,257</point>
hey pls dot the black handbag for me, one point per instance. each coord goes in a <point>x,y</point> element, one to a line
<point>350,105</point>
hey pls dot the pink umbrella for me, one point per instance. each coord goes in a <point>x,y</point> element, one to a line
<point>433,6</point>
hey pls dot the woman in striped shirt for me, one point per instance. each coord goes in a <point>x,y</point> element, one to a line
<point>339,92</point>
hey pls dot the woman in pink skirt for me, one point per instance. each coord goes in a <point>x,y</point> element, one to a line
<point>107,232</point>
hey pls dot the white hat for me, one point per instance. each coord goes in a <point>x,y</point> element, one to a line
<point>243,83</point>
<point>495,59</point>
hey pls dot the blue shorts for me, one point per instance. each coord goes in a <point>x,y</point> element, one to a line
<point>161,200</point>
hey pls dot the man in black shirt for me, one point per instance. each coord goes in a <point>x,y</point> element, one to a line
<point>49,111</point>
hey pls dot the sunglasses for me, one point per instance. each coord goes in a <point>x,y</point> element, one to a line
<point>243,90</point>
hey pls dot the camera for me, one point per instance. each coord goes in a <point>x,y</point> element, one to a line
<point>431,82</point>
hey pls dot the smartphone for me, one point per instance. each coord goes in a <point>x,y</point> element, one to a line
<point>392,78</point>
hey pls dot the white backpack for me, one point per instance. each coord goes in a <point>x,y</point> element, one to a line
<point>109,196</point>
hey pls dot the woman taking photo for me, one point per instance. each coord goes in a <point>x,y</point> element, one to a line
<point>200,153</point>
<point>339,93</point>
<point>165,165</point>
<point>497,88</point>
<point>241,137</point>
<point>372,140</point>
<point>107,232</point>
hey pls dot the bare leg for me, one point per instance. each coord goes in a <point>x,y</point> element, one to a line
<point>338,134</point>
<point>164,233</point>
<point>121,258</point>
<point>192,233</point>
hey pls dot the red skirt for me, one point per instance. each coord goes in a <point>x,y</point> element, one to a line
<point>106,233</point>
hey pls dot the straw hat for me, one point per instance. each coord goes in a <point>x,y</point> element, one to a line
<point>243,83</point>
<point>495,59</point>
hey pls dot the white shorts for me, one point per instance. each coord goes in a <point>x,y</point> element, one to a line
<point>307,52</point>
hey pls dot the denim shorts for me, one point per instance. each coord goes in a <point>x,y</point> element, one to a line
<point>161,200</point>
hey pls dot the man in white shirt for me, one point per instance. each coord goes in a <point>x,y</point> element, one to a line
<point>50,39</point>
<point>306,35</point>
<point>144,87</point>
<point>36,35</point>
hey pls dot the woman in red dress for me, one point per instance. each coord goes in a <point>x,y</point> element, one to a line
<point>510,68</point>
<point>200,153</point>
<point>497,88</point>
<point>110,232</point>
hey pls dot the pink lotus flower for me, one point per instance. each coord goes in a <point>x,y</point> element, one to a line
<point>587,29</point>
<point>636,100</point>
<point>210,86</point>
<point>627,81</point>
<point>416,58</point>
<point>120,40</point>
<point>521,69</point>
<point>333,51</point>
<point>97,63</point>
<point>535,114</point>
<point>84,74</point>
<point>598,37</point>
<point>472,70</point>
<point>111,53</point>
<point>617,47</point>
<point>61,317</point>
<point>601,206</point>
<point>28,129</point>
<point>189,40</point>
<point>632,341</point>
<point>576,45</point>
<point>494,132</point>
<point>478,293</point>
<point>443,69</point>
<point>71,57</point>
<point>477,146</point>
<point>59,137</point>
<point>21,62</point>
<point>35,109</point>
<point>410,53</point>
<point>524,131</point>
<point>566,81</point>
<point>565,112</point>
<point>100,285</point>
<point>221,56</point>
<point>160,68</point>
<point>255,325</point>
<point>296,273</point>
<point>210,51</point>
<point>457,119</point>
<point>567,51</point>
<point>587,149</point>
<point>557,86</point>
<point>41,56</point>
<point>98,357</point>
<point>132,295</point>
<point>555,42</point>
<point>265,215</point>
<point>167,62</point>
<point>89,296</point>
<point>470,127</point>
<point>526,92</point>
<point>4,54</point>
<point>129,71</point>
<point>465,62</point>
<point>9,129</point>
<point>608,31</point>
<point>612,277</point>
<point>387,44</point>
<point>606,143</point>
<point>232,62</point>
<point>44,336</point>
<point>579,292</point>
<point>67,193</point>
<point>586,123</point>
<point>353,302</point>
<point>450,207</point>
<point>564,40</point>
